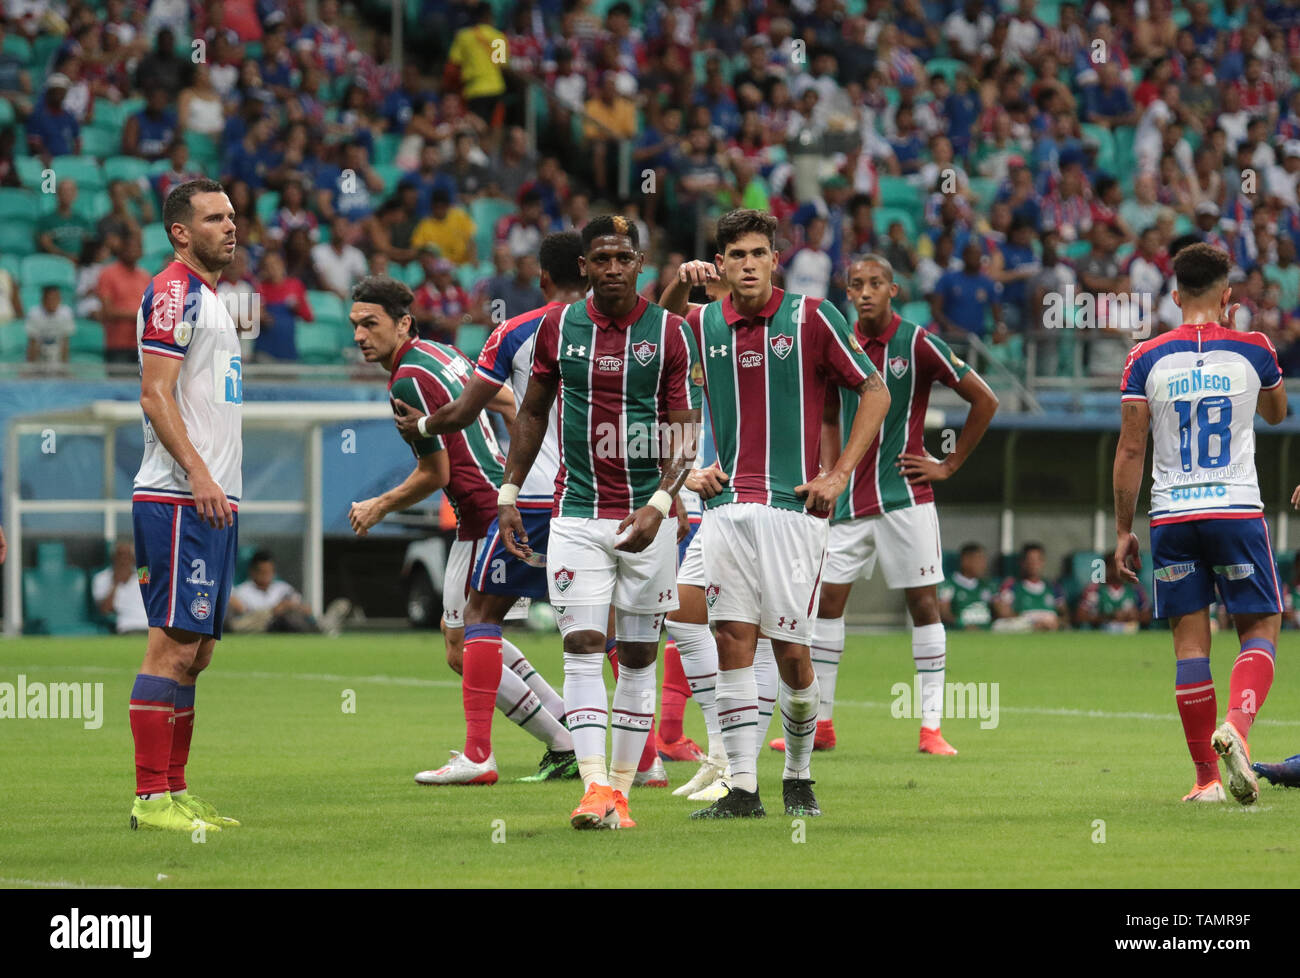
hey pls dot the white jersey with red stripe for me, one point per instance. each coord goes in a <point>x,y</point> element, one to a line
<point>1202,384</point>
<point>508,357</point>
<point>181,317</point>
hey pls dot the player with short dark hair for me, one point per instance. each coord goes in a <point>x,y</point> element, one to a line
<point>1197,389</point>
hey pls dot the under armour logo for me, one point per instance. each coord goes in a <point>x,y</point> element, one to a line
<point>580,351</point>
<point>781,623</point>
<point>666,595</point>
<point>718,351</point>
<point>931,570</point>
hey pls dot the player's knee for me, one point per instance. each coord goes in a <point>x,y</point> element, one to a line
<point>923,606</point>
<point>584,642</point>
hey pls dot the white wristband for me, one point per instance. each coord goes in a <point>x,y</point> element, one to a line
<point>508,494</point>
<point>661,501</point>
<point>424,432</point>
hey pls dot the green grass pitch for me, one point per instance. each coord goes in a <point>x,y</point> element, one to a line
<point>1087,746</point>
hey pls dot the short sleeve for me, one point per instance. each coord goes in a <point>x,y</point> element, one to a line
<point>1270,373</point>
<point>683,374</point>
<point>546,351</point>
<point>938,362</point>
<point>423,397</point>
<point>169,319</point>
<point>1133,385</point>
<point>842,357</point>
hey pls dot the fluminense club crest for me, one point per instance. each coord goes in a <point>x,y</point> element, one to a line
<point>898,366</point>
<point>782,345</point>
<point>563,578</point>
<point>711,594</point>
<point>644,352</point>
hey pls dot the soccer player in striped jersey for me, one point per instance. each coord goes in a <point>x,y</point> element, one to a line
<point>1197,389</point>
<point>625,373</point>
<point>467,465</point>
<point>185,504</point>
<point>504,364</point>
<point>887,516</point>
<point>769,358</point>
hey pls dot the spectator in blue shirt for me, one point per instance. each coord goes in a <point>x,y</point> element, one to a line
<point>253,158</point>
<point>908,145</point>
<point>150,131</point>
<point>1108,103</point>
<point>51,129</point>
<point>353,187</point>
<point>427,179</point>
<point>962,300</point>
<point>1018,264</point>
<point>399,105</point>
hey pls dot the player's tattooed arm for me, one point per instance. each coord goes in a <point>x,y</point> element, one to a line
<point>525,442</point>
<point>873,404</point>
<point>1130,455</point>
<point>679,440</point>
<point>453,416</point>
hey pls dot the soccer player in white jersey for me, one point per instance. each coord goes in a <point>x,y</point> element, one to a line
<point>185,505</point>
<point>887,514</point>
<point>1197,388</point>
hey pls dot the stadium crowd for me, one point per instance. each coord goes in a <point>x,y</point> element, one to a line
<point>1003,156</point>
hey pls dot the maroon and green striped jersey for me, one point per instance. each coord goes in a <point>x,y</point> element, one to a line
<point>766,379</point>
<point>426,376</point>
<point>911,360</point>
<point>617,382</point>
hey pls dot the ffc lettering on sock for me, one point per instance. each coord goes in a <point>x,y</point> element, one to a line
<point>799,718</point>
<point>631,721</point>
<point>738,719</point>
<point>587,705</point>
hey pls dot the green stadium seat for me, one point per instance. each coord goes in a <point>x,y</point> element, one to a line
<point>1125,160</point>
<point>43,49</point>
<point>486,212</point>
<point>126,168</point>
<point>391,174</point>
<point>1077,249</point>
<point>885,216</point>
<point>30,170</point>
<point>985,188</point>
<point>41,270</point>
<point>155,239</point>
<point>110,113</point>
<point>12,264</point>
<point>898,192</point>
<point>100,142</point>
<point>647,277</point>
<point>83,169</point>
<point>92,206</point>
<point>7,117</point>
<point>386,145</point>
<point>917,312</point>
<point>17,237</point>
<point>318,342</point>
<point>326,307</point>
<point>470,339</point>
<point>15,202</point>
<point>268,202</point>
<point>412,273</point>
<point>467,276</point>
<point>948,67</point>
<point>204,152</point>
<point>56,597</point>
<point>87,343</point>
<point>13,342</point>
<point>1105,143</point>
<point>19,47</point>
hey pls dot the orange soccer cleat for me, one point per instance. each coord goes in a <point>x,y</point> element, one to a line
<point>620,806</point>
<point>823,739</point>
<point>932,742</point>
<point>684,749</point>
<point>1211,792</point>
<point>596,810</point>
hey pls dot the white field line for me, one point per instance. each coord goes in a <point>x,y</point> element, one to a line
<point>451,684</point>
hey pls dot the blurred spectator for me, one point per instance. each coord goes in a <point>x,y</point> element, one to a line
<point>121,287</point>
<point>339,264</point>
<point>514,165</point>
<point>467,167</point>
<point>150,131</point>
<point>298,258</point>
<point>440,305</point>
<point>1029,603</point>
<point>349,191</point>
<point>428,178</point>
<point>11,303</point>
<point>292,214</point>
<point>162,67</point>
<point>522,231</point>
<point>199,107</point>
<point>964,300</point>
<point>611,118</point>
<point>808,269</point>
<point>49,327</point>
<point>51,129</point>
<point>64,231</point>
<point>1013,265</point>
<point>1115,605</point>
<point>15,81</point>
<point>116,591</point>
<point>388,231</point>
<point>930,269</point>
<point>474,55</point>
<point>1286,274</point>
<point>512,295</point>
<point>178,156</point>
<point>284,302</point>
<point>966,598</point>
<point>264,603</point>
<point>448,228</point>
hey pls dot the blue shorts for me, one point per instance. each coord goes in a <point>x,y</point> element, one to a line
<point>184,566</point>
<point>497,571</point>
<point>682,547</point>
<point>1191,558</point>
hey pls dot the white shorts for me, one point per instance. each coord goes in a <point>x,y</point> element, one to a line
<point>583,568</point>
<point>906,542</point>
<point>692,569</point>
<point>456,580</point>
<point>764,566</point>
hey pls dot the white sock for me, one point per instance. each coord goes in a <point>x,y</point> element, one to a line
<point>737,717</point>
<point>799,717</point>
<point>587,715</point>
<point>699,654</point>
<point>827,647</point>
<point>522,707</point>
<point>929,652</point>
<point>634,712</point>
<point>766,678</point>
<point>514,660</point>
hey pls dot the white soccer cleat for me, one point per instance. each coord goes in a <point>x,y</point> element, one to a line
<point>711,769</point>
<point>715,789</point>
<point>461,770</point>
<point>655,776</point>
<point>1207,792</point>
<point>1229,745</point>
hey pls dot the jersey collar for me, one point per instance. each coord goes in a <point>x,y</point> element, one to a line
<point>605,322</point>
<point>402,351</point>
<point>734,317</point>
<point>884,338</point>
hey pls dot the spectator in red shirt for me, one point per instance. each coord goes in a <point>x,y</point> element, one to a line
<point>121,289</point>
<point>440,305</point>
<point>284,302</point>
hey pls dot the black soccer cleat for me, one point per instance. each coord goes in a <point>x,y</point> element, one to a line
<point>798,796</point>
<point>556,765</point>
<point>736,803</point>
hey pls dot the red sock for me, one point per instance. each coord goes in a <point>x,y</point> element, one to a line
<point>153,700</point>
<point>1252,677</point>
<point>480,677</point>
<point>676,691</point>
<point>650,752</point>
<point>1197,707</point>
<point>611,653</point>
<point>182,731</point>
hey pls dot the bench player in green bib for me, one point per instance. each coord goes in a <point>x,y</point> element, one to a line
<point>769,358</point>
<point>887,515</point>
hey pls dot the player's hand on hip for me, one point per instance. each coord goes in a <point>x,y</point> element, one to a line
<point>820,493</point>
<point>1126,549</point>
<point>210,501</point>
<point>707,482</point>
<point>697,272</point>
<point>407,420</point>
<point>511,527</point>
<point>364,515</point>
<point>638,530</point>
<point>924,467</point>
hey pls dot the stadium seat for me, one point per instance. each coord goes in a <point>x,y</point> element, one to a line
<point>7,115</point>
<point>19,47</point>
<point>392,176</point>
<point>100,141</point>
<point>1125,160</point>
<point>19,203</point>
<point>87,343</point>
<point>41,270</point>
<point>318,342</point>
<point>155,239</point>
<point>12,264</point>
<point>386,145</point>
<point>898,192</point>
<point>125,168</point>
<point>486,212</point>
<point>267,204</point>
<point>204,154</point>
<point>647,277</point>
<point>917,312</point>
<point>986,189</point>
<point>412,273</point>
<point>92,206</point>
<point>110,113</point>
<point>326,307</point>
<point>948,67</point>
<point>17,237</point>
<point>43,48</point>
<point>29,170</point>
<point>85,170</point>
<point>885,216</point>
<point>56,597</point>
<point>13,342</point>
<point>470,339</point>
<point>1105,144</point>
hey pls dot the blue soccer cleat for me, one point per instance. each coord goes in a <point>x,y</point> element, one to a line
<point>1285,774</point>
